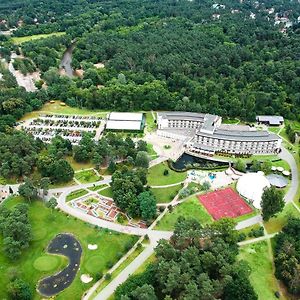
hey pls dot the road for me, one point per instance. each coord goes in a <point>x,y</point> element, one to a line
<point>288,157</point>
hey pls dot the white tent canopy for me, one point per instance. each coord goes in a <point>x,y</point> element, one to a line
<point>251,186</point>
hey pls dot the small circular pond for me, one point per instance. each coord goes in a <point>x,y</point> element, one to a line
<point>66,245</point>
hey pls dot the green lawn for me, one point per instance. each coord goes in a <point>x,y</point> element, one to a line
<point>151,151</point>
<point>262,278</point>
<point>247,230</point>
<point>118,270</point>
<point>87,176</point>
<point>165,195</point>
<point>79,166</point>
<point>106,192</point>
<point>190,208</point>
<point>76,194</point>
<point>23,39</point>
<point>276,224</point>
<point>46,224</point>
<point>97,187</point>
<point>56,108</point>
<point>150,122</point>
<point>156,175</point>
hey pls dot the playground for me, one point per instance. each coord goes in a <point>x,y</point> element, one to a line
<point>224,203</point>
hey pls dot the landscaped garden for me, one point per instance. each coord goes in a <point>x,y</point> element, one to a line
<point>262,273</point>
<point>165,195</point>
<point>161,174</point>
<point>35,263</point>
<point>191,208</point>
<point>87,176</point>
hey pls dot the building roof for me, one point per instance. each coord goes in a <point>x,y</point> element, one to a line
<point>181,115</point>
<point>272,120</point>
<point>237,135</point>
<point>124,116</point>
<point>209,123</point>
<point>123,125</point>
<point>251,186</point>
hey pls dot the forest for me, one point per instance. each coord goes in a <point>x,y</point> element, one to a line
<point>197,263</point>
<point>166,55</point>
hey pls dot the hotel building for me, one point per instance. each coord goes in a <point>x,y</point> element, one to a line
<point>205,134</point>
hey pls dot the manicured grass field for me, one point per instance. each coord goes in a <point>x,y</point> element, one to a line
<point>262,278</point>
<point>76,194</point>
<point>165,195</point>
<point>106,192</point>
<point>118,270</point>
<point>23,39</point>
<point>97,187</point>
<point>56,108</point>
<point>46,224</point>
<point>276,224</point>
<point>151,151</point>
<point>87,176</point>
<point>150,122</point>
<point>156,175</point>
<point>191,208</point>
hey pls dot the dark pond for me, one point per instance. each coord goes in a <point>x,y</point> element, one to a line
<point>185,161</point>
<point>66,245</point>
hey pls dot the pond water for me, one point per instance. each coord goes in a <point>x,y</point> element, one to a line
<point>66,245</point>
<point>189,160</point>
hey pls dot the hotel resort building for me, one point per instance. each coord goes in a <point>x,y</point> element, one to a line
<point>205,134</point>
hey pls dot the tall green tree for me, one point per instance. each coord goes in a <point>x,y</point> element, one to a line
<point>271,202</point>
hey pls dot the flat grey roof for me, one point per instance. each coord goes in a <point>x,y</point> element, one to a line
<point>209,123</point>
<point>234,135</point>
<point>181,115</point>
<point>275,120</point>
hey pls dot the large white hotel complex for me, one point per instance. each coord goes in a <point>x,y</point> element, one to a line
<point>205,134</point>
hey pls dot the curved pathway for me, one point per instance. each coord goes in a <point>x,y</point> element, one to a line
<point>289,158</point>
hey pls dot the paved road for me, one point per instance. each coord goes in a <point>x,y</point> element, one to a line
<point>288,157</point>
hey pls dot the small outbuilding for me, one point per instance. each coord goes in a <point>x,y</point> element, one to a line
<point>270,120</point>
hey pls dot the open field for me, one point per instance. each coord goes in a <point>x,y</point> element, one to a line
<point>151,126</point>
<point>56,108</point>
<point>276,224</point>
<point>23,39</point>
<point>156,175</point>
<point>262,277</point>
<point>191,208</point>
<point>165,195</point>
<point>87,176</point>
<point>111,246</point>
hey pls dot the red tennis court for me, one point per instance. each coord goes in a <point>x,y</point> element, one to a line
<point>224,203</point>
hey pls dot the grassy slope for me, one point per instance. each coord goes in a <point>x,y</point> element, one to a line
<point>76,194</point>
<point>23,39</point>
<point>56,108</point>
<point>190,208</point>
<point>165,195</point>
<point>156,175</point>
<point>87,176</point>
<point>262,278</point>
<point>46,226</point>
<point>106,192</point>
<point>276,224</point>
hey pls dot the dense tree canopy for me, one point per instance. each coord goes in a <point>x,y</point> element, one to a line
<point>197,263</point>
<point>287,256</point>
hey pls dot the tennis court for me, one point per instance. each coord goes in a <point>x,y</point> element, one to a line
<point>224,203</point>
